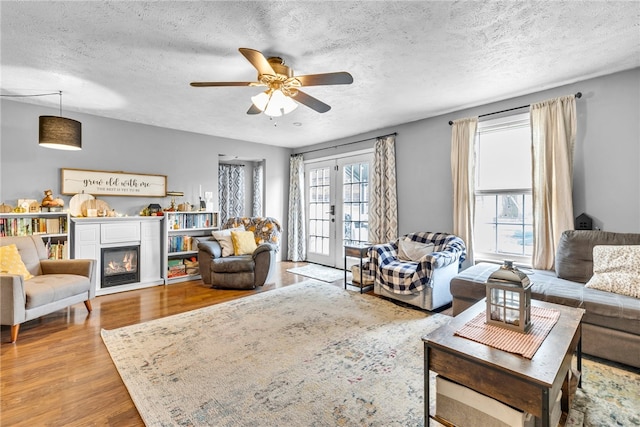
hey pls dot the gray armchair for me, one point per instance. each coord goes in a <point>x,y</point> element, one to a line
<point>241,271</point>
<point>56,284</point>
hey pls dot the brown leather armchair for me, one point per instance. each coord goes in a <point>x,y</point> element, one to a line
<point>241,271</point>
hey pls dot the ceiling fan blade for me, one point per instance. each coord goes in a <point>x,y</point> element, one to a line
<point>339,78</point>
<point>207,84</point>
<point>258,60</point>
<point>311,102</point>
<point>254,110</point>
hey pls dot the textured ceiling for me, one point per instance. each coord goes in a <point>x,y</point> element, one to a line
<point>409,60</point>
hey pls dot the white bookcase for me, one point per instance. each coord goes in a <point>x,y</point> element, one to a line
<point>182,230</point>
<point>53,227</point>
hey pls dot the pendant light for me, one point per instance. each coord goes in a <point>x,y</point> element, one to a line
<point>60,132</point>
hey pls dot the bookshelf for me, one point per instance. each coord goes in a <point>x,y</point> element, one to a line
<point>52,227</point>
<point>182,232</point>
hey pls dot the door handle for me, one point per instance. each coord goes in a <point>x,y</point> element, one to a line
<point>332,210</point>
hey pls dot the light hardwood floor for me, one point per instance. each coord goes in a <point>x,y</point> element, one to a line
<point>59,372</point>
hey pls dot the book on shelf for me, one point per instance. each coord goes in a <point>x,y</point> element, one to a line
<point>193,220</point>
<point>180,243</point>
<point>57,250</point>
<point>26,226</point>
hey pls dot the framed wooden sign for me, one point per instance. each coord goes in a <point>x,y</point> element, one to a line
<point>112,183</point>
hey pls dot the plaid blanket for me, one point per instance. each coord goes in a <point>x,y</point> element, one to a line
<point>406,277</point>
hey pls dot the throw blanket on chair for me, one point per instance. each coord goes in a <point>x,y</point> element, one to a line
<point>407,277</point>
<point>266,229</point>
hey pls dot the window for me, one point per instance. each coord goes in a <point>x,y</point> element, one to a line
<point>319,210</point>
<point>355,199</point>
<point>503,203</point>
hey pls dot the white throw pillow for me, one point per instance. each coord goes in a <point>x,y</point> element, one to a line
<point>616,269</point>
<point>408,250</point>
<point>224,238</point>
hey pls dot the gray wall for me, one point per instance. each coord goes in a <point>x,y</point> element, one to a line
<point>606,167</point>
<point>189,160</point>
<point>606,163</point>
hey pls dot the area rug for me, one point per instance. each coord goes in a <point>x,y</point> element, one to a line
<point>310,354</point>
<point>610,395</point>
<point>319,272</point>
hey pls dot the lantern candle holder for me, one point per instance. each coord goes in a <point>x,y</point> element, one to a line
<point>509,298</point>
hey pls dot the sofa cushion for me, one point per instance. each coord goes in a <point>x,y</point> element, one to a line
<point>48,288</point>
<point>616,268</point>
<point>11,263</point>
<point>574,256</point>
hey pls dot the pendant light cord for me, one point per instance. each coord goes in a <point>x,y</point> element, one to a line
<point>59,93</point>
<point>29,96</point>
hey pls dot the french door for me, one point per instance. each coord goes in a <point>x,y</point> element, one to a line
<point>337,207</point>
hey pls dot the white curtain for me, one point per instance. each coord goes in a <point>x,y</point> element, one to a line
<point>297,249</point>
<point>258,179</point>
<point>553,134</point>
<point>383,204</point>
<point>463,134</point>
<point>230,191</point>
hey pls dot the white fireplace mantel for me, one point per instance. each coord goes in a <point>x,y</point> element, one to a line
<point>90,235</point>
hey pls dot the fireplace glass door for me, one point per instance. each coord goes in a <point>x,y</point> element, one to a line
<point>120,266</point>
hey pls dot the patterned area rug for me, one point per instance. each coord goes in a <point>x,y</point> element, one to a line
<point>319,272</point>
<point>307,354</point>
<point>610,395</point>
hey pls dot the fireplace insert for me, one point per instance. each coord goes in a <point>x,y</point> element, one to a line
<point>120,266</point>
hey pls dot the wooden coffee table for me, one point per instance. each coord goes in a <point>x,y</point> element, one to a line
<point>529,385</point>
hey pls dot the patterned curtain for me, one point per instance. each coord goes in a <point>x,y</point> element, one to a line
<point>230,191</point>
<point>553,135</point>
<point>383,204</point>
<point>258,172</point>
<point>463,134</point>
<point>297,249</point>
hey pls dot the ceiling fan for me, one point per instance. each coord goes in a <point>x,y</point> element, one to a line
<point>283,88</point>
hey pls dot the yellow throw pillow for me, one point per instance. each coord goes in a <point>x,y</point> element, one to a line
<point>244,242</point>
<point>11,263</point>
<point>224,239</point>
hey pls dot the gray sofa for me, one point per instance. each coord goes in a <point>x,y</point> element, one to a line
<point>611,323</point>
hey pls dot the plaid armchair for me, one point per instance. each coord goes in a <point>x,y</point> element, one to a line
<point>424,282</point>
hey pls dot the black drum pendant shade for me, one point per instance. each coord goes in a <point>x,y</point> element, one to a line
<point>60,133</point>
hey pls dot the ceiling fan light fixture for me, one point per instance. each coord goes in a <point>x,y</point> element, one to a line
<point>261,100</point>
<point>274,103</point>
<point>280,104</point>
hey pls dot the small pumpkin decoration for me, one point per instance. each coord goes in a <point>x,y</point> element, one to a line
<point>5,208</point>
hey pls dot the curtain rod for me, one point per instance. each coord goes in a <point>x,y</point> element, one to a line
<point>342,145</point>
<point>578,95</point>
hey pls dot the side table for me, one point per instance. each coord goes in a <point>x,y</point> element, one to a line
<point>360,251</point>
<point>529,385</point>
